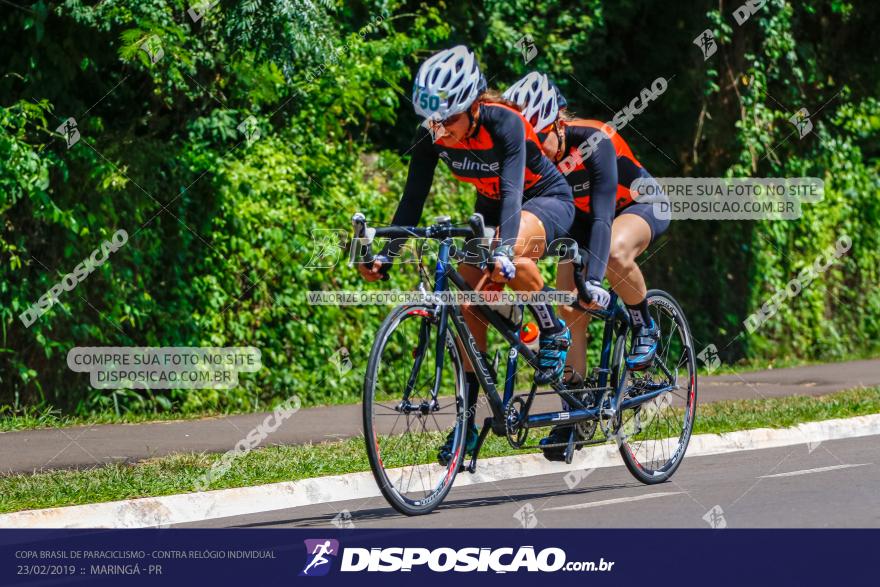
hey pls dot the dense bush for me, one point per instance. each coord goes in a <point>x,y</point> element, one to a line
<point>220,227</point>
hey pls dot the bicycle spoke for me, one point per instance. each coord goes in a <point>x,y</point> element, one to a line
<point>434,417</point>
<point>389,408</point>
<point>406,447</point>
<point>397,438</point>
<point>669,340</point>
<point>662,423</point>
<point>681,358</point>
<point>394,426</point>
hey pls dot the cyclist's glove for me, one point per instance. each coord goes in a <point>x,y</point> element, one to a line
<point>503,258</point>
<point>386,261</point>
<point>598,294</point>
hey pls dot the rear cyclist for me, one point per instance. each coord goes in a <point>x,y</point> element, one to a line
<point>485,141</point>
<point>600,167</point>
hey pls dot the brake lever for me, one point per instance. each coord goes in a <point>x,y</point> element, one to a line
<point>359,229</point>
<point>361,245</point>
<point>477,224</point>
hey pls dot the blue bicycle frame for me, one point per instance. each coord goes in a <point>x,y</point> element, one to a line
<point>614,317</point>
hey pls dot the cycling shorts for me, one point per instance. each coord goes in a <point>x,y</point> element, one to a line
<point>580,230</point>
<point>556,213</point>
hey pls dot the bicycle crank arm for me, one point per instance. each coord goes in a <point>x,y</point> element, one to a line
<point>487,426</point>
<point>569,449</point>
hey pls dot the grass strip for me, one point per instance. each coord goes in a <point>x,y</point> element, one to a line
<point>179,473</point>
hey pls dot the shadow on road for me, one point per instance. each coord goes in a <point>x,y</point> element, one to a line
<point>387,513</point>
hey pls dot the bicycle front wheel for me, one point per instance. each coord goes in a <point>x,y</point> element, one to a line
<point>653,436</point>
<point>404,425</point>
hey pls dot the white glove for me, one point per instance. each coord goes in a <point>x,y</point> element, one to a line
<point>508,269</point>
<point>598,294</point>
<point>503,257</point>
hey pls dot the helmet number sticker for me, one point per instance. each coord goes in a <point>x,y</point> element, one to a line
<point>428,101</point>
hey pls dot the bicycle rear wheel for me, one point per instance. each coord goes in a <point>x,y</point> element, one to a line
<point>403,425</point>
<point>653,437</point>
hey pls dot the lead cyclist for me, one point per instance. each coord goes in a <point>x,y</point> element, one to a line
<point>485,141</point>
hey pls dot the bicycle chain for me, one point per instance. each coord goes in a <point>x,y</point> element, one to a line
<point>577,443</point>
<point>580,391</point>
<point>564,444</point>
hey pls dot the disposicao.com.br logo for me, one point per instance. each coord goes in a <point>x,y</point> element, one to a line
<point>320,553</point>
<point>444,559</point>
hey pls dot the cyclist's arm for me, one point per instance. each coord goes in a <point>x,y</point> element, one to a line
<point>602,166</point>
<point>510,134</point>
<point>418,184</point>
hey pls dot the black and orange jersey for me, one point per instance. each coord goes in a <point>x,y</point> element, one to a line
<point>584,174</point>
<point>600,168</point>
<point>502,158</point>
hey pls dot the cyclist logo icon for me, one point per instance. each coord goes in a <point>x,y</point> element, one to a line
<point>801,121</point>
<point>317,553</point>
<point>527,47</point>
<point>706,42</point>
<point>69,131</point>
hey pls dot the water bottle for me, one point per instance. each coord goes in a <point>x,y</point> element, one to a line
<point>528,334</point>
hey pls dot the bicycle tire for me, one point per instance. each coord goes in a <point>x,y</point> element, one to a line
<point>372,437</point>
<point>638,469</point>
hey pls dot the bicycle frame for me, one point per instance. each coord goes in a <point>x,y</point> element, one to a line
<point>601,400</point>
<point>614,317</point>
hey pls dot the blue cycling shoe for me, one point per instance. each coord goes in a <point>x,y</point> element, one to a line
<point>643,348</point>
<point>553,349</point>
<point>444,455</point>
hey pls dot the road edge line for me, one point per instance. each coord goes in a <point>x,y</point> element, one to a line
<point>168,510</point>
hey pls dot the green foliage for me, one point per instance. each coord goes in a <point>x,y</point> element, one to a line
<point>221,229</point>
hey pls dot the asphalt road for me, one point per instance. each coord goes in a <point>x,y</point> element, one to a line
<point>87,446</point>
<point>835,485</point>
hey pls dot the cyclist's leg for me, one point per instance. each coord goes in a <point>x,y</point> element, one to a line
<point>630,236</point>
<point>555,338</point>
<point>543,220</point>
<point>576,321</point>
<point>477,325</point>
<point>634,229</point>
<point>530,246</point>
<point>476,322</point>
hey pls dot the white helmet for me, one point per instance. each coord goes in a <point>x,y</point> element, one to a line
<point>447,83</point>
<point>538,98</point>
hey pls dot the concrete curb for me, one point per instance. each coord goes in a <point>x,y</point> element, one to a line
<point>193,507</point>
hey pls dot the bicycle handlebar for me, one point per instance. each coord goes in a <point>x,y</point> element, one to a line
<point>435,231</point>
<point>361,244</point>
